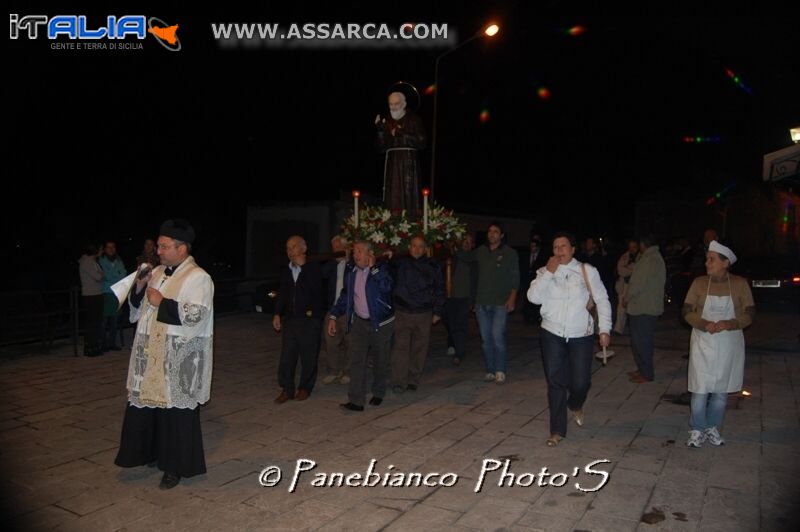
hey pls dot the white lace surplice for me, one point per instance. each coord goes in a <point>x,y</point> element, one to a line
<point>189,349</point>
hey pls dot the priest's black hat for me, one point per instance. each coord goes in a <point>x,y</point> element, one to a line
<point>178,229</point>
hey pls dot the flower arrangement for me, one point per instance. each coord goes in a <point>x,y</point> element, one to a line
<point>393,230</point>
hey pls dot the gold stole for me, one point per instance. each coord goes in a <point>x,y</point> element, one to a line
<point>153,390</point>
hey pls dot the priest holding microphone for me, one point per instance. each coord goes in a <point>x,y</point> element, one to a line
<point>170,369</point>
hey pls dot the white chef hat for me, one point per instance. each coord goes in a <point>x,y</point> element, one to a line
<point>722,250</point>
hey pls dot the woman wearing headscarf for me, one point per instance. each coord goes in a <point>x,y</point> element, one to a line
<point>718,306</point>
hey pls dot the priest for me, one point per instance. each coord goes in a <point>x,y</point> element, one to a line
<point>169,375</point>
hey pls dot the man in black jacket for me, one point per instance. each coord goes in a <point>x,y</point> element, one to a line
<point>418,300</point>
<point>333,272</point>
<point>300,305</point>
<point>458,304</point>
<point>531,262</point>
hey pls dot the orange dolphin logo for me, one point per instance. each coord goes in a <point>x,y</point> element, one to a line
<point>167,34</point>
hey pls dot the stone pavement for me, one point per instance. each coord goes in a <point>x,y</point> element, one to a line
<point>60,419</point>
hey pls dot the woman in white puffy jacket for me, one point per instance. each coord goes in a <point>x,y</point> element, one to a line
<point>568,330</point>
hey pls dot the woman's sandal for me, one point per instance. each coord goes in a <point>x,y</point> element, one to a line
<point>553,440</point>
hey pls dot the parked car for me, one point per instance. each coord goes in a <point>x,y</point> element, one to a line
<point>773,280</point>
<point>676,288</point>
<point>265,296</point>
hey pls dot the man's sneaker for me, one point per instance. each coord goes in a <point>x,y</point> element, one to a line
<point>451,351</point>
<point>499,377</point>
<point>712,436</point>
<point>489,377</point>
<point>696,439</point>
<point>329,379</point>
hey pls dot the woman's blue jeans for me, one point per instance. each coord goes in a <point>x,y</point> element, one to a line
<point>708,410</point>
<point>492,320</point>
<point>568,368</point>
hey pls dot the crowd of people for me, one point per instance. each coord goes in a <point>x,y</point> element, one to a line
<point>371,315</point>
<point>388,303</point>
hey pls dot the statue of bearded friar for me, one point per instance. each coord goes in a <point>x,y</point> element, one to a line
<point>400,136</point>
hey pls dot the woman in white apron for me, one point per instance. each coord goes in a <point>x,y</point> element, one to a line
<point>718,306</point>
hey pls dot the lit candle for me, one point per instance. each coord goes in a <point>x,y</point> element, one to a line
<point>356,194</point>
<point>425,193</point>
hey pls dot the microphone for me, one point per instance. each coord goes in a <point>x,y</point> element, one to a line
<point>144,271</point>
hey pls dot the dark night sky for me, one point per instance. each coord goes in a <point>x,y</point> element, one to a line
<point>125,134</point>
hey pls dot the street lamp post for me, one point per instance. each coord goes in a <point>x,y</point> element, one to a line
<point>490,31</point>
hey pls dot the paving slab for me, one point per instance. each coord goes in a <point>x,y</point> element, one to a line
<point>60,420</point>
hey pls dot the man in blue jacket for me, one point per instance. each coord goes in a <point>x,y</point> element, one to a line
<point>366,301</point>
